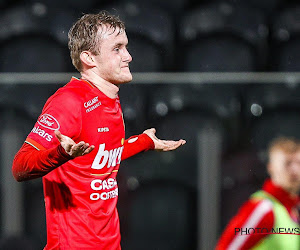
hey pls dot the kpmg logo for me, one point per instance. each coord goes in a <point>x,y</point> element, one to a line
<point>48,121</point>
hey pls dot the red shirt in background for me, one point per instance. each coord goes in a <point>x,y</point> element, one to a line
<point>256,214</point>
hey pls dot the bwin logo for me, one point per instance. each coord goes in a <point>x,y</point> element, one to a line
<point>111,157</point>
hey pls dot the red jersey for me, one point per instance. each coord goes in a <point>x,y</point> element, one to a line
<point>81,195</point>
<point>256,214</point>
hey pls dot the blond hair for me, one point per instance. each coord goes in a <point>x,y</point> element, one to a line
<point>287,145</point>
<point>83,34</point>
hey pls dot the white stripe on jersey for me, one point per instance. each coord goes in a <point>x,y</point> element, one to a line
<point>259,212</point>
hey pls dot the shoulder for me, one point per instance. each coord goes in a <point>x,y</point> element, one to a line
<point>69,96</point>
<point>260,205</point>
<point>255,211</point>
<point>253,214</point>
<point>259,213</point>
<point>73,89</point>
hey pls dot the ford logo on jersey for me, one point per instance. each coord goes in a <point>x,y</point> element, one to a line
<point>48,121</point>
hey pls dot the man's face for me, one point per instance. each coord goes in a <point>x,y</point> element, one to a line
<point>112,63</point>
<point>284,169</point>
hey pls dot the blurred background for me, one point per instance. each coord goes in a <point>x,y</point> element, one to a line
<point>220,74</point>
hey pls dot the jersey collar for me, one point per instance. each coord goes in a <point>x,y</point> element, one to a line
<point>107,101</point>
<point>281,195</point>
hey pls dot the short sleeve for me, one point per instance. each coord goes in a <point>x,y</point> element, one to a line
<point>61,112</point>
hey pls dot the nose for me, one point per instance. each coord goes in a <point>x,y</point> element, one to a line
<point>295,168</point>
<point>127,57</point>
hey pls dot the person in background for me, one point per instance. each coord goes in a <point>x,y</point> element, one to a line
<point>78,141</point>
<point>261,223</point>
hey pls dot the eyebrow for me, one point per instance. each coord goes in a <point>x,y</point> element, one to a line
<point>120,44</point>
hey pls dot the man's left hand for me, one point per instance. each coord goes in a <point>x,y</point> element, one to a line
<point>163,145</point>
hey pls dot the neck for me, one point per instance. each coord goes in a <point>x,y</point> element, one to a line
<point>109,89</point>
<point>293,193</point>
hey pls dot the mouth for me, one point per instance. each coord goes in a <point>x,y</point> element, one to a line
<point>126,69</point>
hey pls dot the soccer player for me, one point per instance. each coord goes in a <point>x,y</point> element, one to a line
<point>273,209</point>
<point>78,141</point>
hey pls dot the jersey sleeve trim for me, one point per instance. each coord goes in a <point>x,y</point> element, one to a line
<point>34,144</point>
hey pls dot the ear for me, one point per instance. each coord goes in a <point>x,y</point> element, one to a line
<point>87,58</point>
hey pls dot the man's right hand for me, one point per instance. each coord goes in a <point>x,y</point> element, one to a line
<point>72,148</point>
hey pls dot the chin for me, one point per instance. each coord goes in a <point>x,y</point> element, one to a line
<point>129,78</point>
<point>125,79</point>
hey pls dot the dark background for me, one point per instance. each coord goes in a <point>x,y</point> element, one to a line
<point>159,192</point>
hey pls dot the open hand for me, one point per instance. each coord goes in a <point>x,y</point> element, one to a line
<point>72,148</point>
<point>163,145</point>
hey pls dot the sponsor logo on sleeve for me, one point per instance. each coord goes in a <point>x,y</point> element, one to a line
<point>132,140</point>
<point>42,133</point>
<point>48,121</point>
